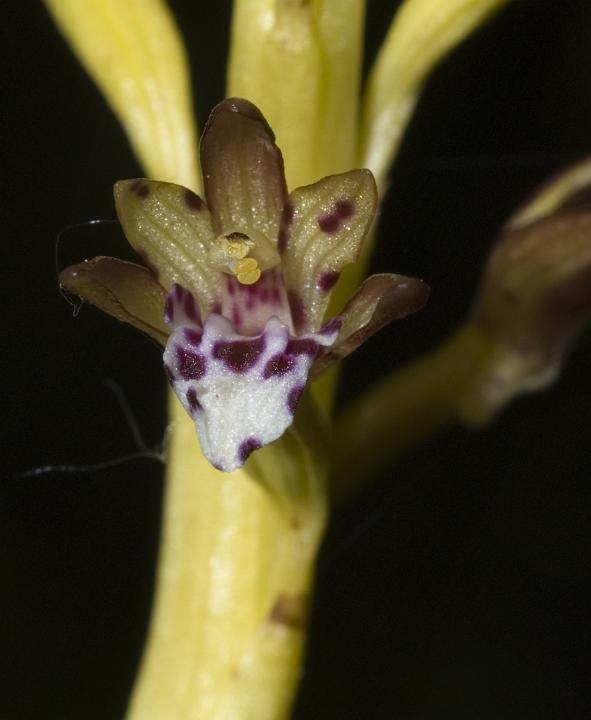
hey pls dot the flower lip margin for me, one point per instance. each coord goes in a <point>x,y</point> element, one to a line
<point>241,392</point>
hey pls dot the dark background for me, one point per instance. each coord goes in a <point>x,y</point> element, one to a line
<point>459,587</point>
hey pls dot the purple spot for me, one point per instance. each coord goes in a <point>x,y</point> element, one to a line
<point>294,397</point>
<point>239,355</point>
<point>190,365</point>
<point>140,188</point>
<point>298,311</point>
<point>230,286</point>
<point>193,201</point>
<point>192,336</point>
<point>302,346</point>
<point>331,326</point>
<point>194,403</point>
<point>275,295</point>
<point>278,365</point>
<point>331,223</point>
<point>216,308</point>
<point>264,295</point>
<point>344,209</point>
<point>247,448</point>
<point>328,280</point>
<point>168,309</point>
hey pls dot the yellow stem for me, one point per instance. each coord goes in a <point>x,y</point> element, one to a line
<point>420,35</point>
<point>300,63</point>
<point>227,630</point>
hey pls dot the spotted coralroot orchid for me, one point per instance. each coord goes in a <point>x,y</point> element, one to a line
<point>243,280</point>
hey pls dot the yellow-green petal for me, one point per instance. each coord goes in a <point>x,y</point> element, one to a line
<point>170,228</point>
<point>421,33</point>
<point>323,228</point>
<point>134,53</point>
<point>300,63</point>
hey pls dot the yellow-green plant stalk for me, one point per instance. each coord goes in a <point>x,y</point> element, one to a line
<point>238,548</point>
<point>423,32</point>
<point>133,52</point>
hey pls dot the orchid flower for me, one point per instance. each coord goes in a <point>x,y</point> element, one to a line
<point>247,278</point>
<point>247,291</point>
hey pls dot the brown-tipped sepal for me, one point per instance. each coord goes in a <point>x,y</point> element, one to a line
<point>243,171</point>
<point>380,300</point>
<point>124,290</point>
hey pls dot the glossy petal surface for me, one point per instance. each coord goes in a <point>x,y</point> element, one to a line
<point>323,226</point>
<point>170,228</point>
<point>124,290</point>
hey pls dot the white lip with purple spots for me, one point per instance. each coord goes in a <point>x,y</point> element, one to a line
<point>241,391</point>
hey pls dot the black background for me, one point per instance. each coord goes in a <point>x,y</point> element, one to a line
<point>459,587</point>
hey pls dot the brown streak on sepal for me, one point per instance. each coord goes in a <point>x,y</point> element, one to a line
<point>289,610</point>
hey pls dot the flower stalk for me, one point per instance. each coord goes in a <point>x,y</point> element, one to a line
<point>228,628</point>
